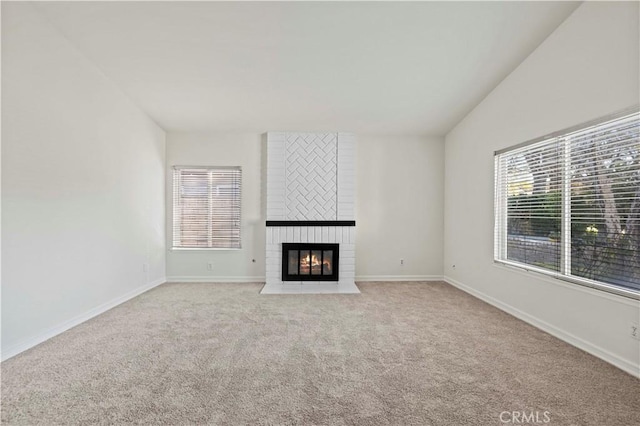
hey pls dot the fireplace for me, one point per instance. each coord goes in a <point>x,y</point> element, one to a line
<point>310,210</point>
<point>310,262</point>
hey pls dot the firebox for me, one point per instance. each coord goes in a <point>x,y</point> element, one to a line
<point>310,262</point>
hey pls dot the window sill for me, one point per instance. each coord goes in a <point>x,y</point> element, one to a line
<point>592,287</point>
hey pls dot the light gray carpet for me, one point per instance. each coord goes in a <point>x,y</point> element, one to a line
<point>398,354</point>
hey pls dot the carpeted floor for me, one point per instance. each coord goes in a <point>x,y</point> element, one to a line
<point>397,354</point>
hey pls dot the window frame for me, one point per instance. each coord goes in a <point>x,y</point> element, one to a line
<point>176,168</point>
<point>500,205</point>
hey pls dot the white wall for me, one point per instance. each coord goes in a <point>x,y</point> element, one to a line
<point>82,186</point>
<point>220,150</point>
<point>586,69</point>
<point>398,207</point>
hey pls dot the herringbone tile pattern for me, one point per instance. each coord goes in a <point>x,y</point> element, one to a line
<point>310,162</point>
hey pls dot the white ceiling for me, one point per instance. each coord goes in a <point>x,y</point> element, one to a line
<point>389,68</point>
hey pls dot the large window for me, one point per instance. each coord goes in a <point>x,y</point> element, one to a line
<point>206,207</point>
<point>569,205</point>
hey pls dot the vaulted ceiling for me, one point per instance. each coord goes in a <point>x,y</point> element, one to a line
<point>368,67</point>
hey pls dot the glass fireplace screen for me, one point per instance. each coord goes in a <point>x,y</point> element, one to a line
<point>309,262</point>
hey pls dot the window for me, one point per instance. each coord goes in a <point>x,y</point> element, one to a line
<point>569,205</point>
<point>206,207</point>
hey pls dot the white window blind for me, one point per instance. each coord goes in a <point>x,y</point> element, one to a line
<point>206,207</point>
<point>569,205</point>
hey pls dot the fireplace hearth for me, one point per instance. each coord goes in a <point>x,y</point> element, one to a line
<point>310,262</point>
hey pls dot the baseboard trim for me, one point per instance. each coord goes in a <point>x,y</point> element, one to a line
<point>208,279</point>
<point>28,343</point>
<point>565,336</point>
<point>261,279</point>
<point>399,278</point>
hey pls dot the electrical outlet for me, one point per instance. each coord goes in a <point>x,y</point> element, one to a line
<point>209,266</point>
<point>145,267</point>
<point>402,261</point>
<point>634,331</point>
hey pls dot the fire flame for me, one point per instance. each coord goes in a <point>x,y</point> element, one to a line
<point>312,260</point>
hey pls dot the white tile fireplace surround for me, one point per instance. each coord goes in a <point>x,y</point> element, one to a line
<point>310,199</point>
